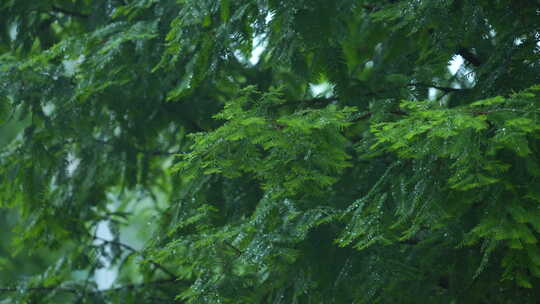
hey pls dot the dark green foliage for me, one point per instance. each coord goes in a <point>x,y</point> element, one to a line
<point>224,178</point>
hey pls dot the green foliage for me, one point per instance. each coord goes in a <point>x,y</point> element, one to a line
<point>145,139</point>
<point>288,153</point>
<point>484,145</point>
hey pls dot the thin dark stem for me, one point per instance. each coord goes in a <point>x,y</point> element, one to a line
<point>238,251</point>
<point>41,288</point>
<point>90,272</point>
<point>427,85</point>
<point>369,114</point>
<point>322,100</point>
<point>129,248</point>
<point>364,116</point>
<point>149,152</point>
<point>68,12</point>
<point>368,6</point>
<point>10,118</point>
<point>137,285</point>
<point>76,291</point>
<point>469,56</point>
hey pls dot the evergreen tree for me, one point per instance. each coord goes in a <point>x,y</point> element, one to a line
<point>196,134</point>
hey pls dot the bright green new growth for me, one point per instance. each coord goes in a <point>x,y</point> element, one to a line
<point>483,145</point>
<point>288,153</point>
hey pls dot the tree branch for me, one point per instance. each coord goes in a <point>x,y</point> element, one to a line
<point>144,151</point>
<point>76,291</point>
<point>469,56</point>
<point>40,288</point>
<point>68,12</point>
<point>238,251</point>
<point>137,285</point>
<point>129,248</point>
<point>444,89</point>
<point>369,114</point>
<point>323,100</point>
